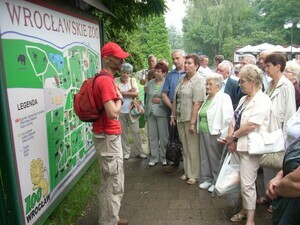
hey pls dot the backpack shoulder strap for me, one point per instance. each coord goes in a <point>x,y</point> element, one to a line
<point>94,79</point>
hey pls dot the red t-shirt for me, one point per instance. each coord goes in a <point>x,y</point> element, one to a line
<point>105,90</point>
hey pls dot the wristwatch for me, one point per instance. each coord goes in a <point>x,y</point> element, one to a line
<point>121,99</point>
<point>235,139</point>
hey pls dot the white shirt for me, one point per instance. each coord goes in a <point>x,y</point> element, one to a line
<point>127,100</point>
<point>204,71</point>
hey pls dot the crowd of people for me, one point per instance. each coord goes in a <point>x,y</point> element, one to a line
<point>211,111</point>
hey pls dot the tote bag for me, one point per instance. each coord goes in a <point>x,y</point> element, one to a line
<point>174,147</point>
<point>228,180</point>
<point>275,160</point>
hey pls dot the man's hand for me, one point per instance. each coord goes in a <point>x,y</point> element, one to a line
<point>132,90</point>
<point>221,141</point>
<point>156,100</point>
<point>192,128</point>
<point>231,147</point>
<point>172,121</point>
<point>119,95</point>
<point>271,193</point>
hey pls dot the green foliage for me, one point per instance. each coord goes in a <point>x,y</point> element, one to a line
<point>208,23</point>
<point>218,27</point>
<point>157,39</point>
<point>75,202</point>
<point>175,38</point>
<point>277,12</point>
<point>254,38</point>
<point>128,13</point>
<point>150,38</point>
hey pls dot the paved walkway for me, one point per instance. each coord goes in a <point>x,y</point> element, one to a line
<point>153,197</point>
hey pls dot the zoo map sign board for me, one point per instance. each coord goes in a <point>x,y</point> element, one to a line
<point>47,54</point>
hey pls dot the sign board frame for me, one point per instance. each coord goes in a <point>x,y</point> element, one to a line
<point>46,53</point>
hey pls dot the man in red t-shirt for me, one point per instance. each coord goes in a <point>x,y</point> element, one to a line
<point>107,138</point>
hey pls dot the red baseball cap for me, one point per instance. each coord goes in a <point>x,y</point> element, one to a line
<point>114,49</point>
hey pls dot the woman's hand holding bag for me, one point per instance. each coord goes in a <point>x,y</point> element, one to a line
<point>136,107</point>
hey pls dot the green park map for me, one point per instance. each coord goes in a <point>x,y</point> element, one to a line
<point>60,74</point>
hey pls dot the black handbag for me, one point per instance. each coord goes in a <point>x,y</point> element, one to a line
<point>174,147</point>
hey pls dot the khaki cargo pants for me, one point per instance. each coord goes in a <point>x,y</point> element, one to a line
<point>110,157</point>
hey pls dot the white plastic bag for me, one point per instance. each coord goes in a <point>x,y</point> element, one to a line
<point>228,180</point>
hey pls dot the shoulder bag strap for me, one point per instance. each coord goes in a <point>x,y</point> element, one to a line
<point>131,84</point>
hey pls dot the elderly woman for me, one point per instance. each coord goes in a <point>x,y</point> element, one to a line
<point>282,94</point>
<point>213,121</point>
<point>188,98</point>
<point>292,72</point>
<point>156,114</point>
<point>129,89</point>
<point>251,115</point>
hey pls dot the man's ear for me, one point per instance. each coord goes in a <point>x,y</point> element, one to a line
<point>106,59</point>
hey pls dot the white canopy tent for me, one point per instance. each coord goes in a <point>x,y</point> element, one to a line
<point>248,49</point>
<point>297,50</point>
<point>255,50</point>
<point>279,48</point>
<point>265,46</point>
<point>288,49</point>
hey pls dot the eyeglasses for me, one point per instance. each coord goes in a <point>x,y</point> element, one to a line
<point>242,81</point>
<point>221,70</point>
<point>210,84</point>
<point>288,71</point>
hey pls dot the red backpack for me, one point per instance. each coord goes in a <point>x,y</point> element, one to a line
<point>84,103</point>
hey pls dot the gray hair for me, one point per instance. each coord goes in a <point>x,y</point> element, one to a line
<point>228,65</point>
<point>236,69</point>
<point>250,58</point>
<point>265,52</point>
<point>218,78</point>
<point>127,67</point>
<point>179,51</point>
<point>294,67</point>
<point>150,57</point>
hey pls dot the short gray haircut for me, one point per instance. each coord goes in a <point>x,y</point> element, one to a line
<point>218,78</point>
<point>265,52</point>
<point>127,67</point>
<point>250,58</point>
<point>294,67</point>
<point>150,57</point>
<point>228,65</point>
<point>178,50</point>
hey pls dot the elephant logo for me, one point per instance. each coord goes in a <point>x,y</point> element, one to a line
<point>22,59</point>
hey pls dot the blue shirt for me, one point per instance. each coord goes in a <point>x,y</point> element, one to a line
<point>171,83</point>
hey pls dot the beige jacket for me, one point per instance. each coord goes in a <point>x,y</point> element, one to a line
<point>283,104</point>
<point>258,112</point>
